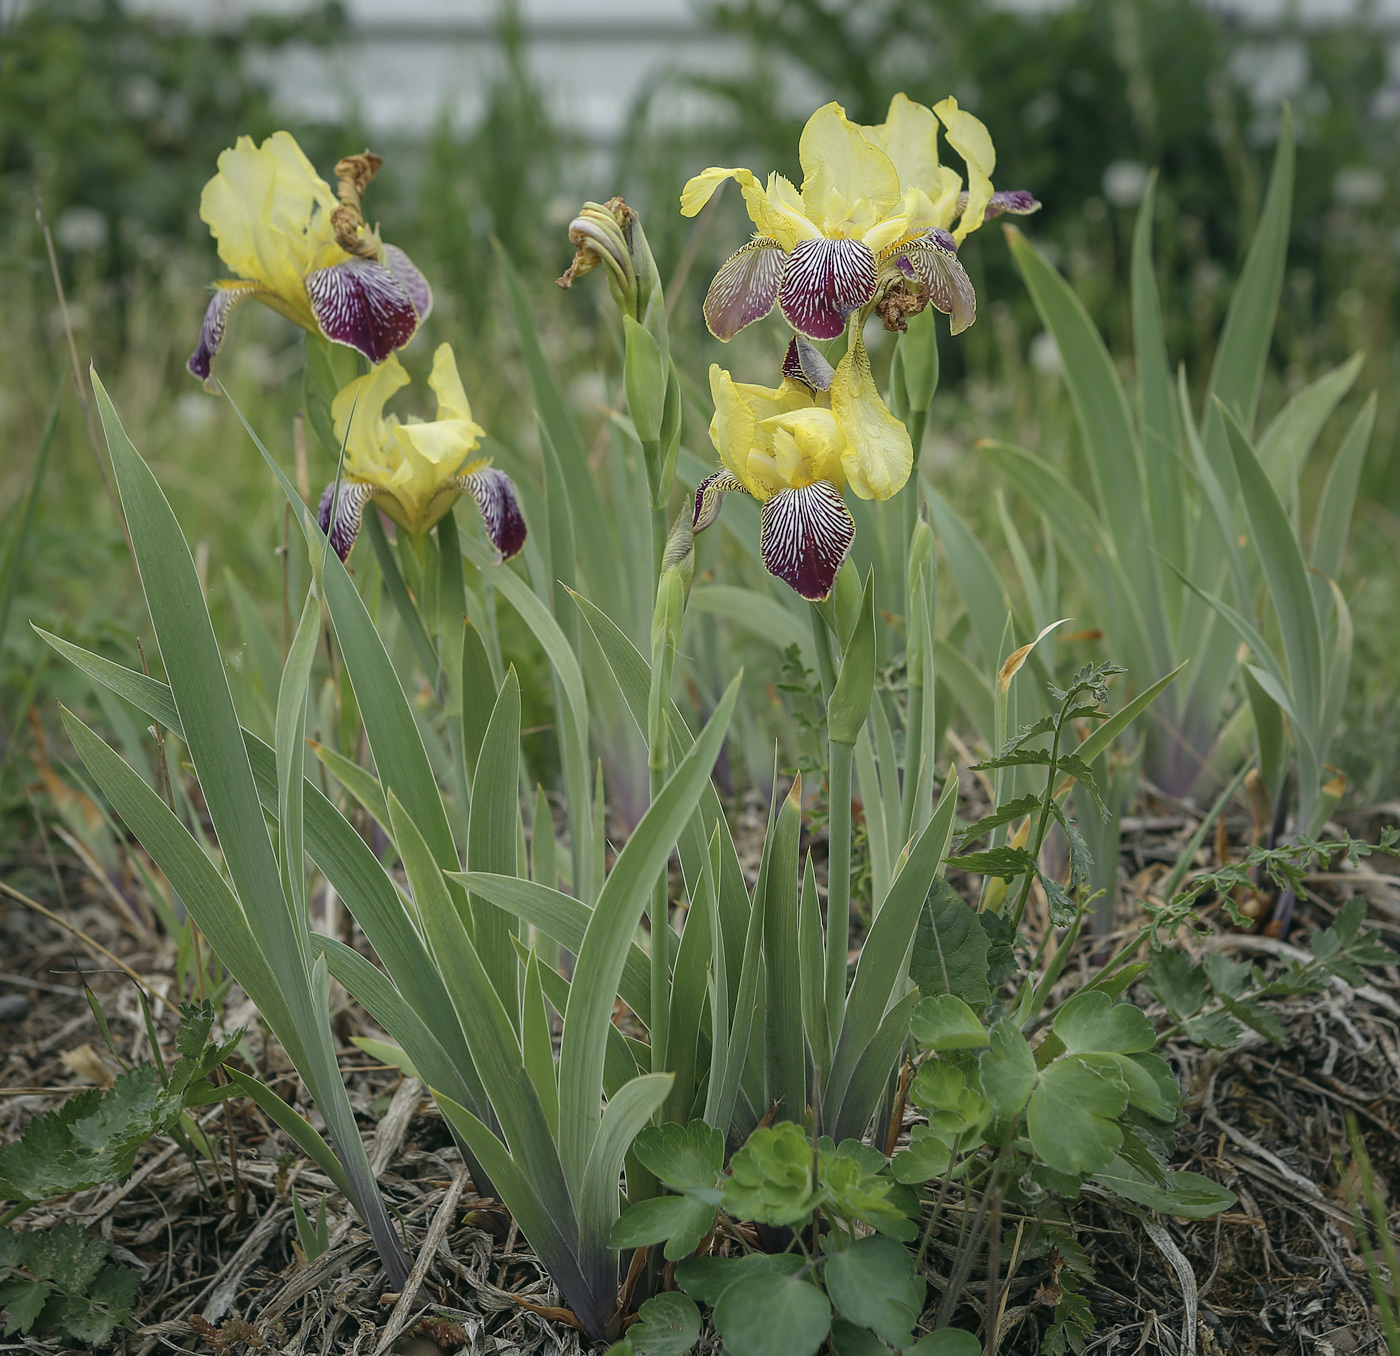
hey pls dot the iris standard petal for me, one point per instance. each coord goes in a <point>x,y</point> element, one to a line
<point>909,136</point>
<point>269,213</point>
<point>227,294</point>
<point>494,493</point>
<point>341,523</point>
<point>846,179</point>
<point>970,139</point>
<point>746,288</point>
<point>709,495</point>
<point>825,280</point>
<point>879,454</point>
<point>806,363</point>
<point>360,303</point>
<point>807,533</point>
<point>446,383</point>
<point>933,260</point>
<point>358,414</point>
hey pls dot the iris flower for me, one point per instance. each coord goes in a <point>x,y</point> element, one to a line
<point>876,207</point>
<point>306,252</point>
<point>795,448</point>
<point>414,471</point>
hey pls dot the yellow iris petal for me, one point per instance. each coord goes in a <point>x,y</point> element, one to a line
<point>878,455</point>
<point>770,218</point>
<point>446,383</point>
<point>970,139</point>
<point>358,415</point>
<point>808,445</point>
<point>732,430</point>
<point>909,136</point>
<point>413,461</point>
<point>269,211</point>
<point>849,184</point>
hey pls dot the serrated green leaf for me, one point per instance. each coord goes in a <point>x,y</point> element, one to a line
<point>1003,814</point>
<point>1004,862</point>
<point>950,948</point>
<point>1176,981</point>
<point>92,1139</point>
<point>1215,1030</point>
<point>23,1301</point>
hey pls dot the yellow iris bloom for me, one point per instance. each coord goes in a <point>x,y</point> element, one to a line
<point>875,203</point>
<point>306,251</point>
<point>795,447</point>
<point>415,470</point>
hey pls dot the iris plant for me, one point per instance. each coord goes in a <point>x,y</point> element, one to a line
<point>306,252</point>
<point>876,208</point>
<point>415,470</point>
<point>795,448</point>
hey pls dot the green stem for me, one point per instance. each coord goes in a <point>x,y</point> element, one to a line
<point>838,882</point>
<point>660,529</point>
<point>1043,827</point>
<point>826,653</point>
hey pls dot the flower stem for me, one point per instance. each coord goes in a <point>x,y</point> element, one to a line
<point>838,881</point>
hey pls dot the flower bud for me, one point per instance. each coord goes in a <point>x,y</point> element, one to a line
<point>644,380</point>
<point>855,684</point>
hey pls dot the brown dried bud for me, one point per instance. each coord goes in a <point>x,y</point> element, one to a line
<point>353,175</point>
<point>903,300</point>
<point>600,234</point>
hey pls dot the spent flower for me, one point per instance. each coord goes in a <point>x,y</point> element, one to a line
<point>415,470</point>
<point>306,252</point>
<point>876,211</point>
<point>795,448</point>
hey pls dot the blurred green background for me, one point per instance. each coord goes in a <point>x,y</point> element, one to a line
<point>115,118</point>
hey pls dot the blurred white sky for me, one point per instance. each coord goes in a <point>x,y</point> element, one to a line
<point>408,62</point>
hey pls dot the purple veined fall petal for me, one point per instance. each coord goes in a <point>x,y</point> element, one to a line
<point>746,288</point>
<point>933,260</point>
<point>494,493</point>
<point>1017,202</point>
<point>709,496</point>
<point>825,280</point>
<point>807,533</point>
<point>804,362</point>
<point>360,303</point>
<point>414,283</point>
<point>343,525</point>
<point>226,296</point>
